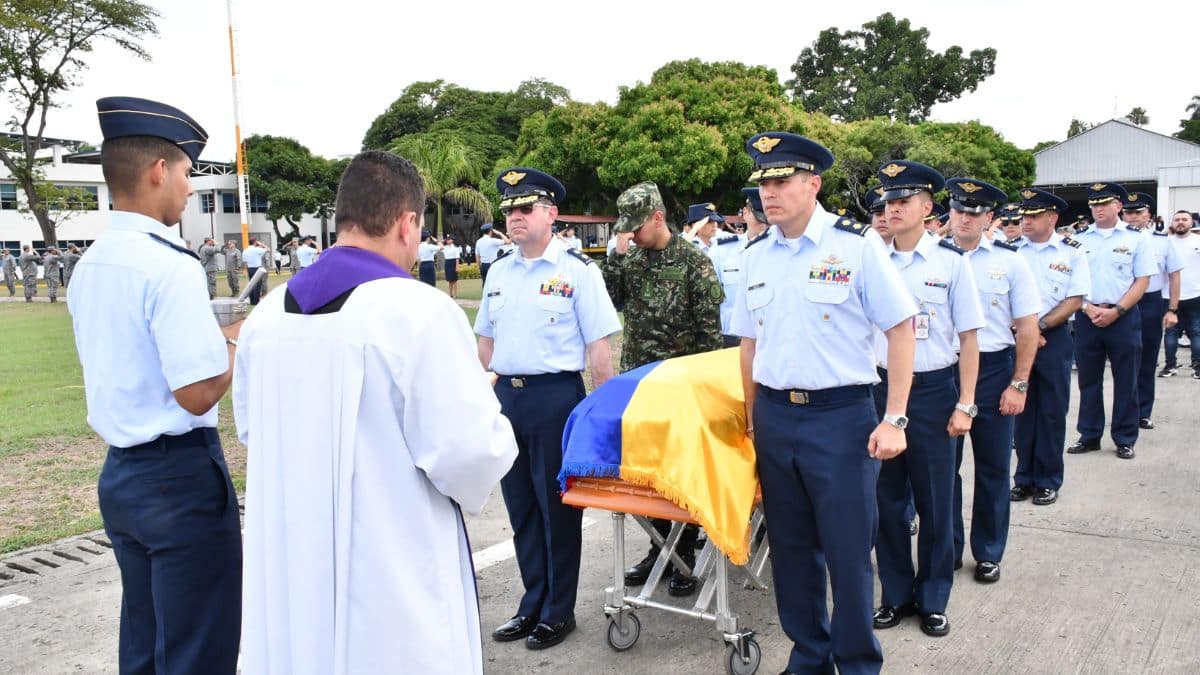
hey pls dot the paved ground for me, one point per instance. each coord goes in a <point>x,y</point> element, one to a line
<point>1105,581</point>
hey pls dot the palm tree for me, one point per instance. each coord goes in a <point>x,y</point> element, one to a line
<point>1138,116</point>
<point>448,169</point>
<point>1194,107</point>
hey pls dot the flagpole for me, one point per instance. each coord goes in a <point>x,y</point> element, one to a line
<point>243,180</point>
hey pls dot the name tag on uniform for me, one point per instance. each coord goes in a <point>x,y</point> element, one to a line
<point>492,294</point>
<point>921,325</point>
<point>670,274</point>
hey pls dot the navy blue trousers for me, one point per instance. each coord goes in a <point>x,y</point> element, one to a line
<point>880,396</point>
<point>1121,344</point>
<point>171,513</point>
<point>991,447</point>
<point>427,272</point>
<point>483,271</point>
<point>818,487</point>
<point>256,292</point>
<point>1152,307</point>
<point>1041,429</point>
<point>927,468</point>
<point>546,533</point>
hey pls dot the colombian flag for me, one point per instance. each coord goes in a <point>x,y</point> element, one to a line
<point>679,427</point>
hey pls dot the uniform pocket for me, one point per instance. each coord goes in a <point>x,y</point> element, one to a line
<point>933,295</point>
<point>827,293</point>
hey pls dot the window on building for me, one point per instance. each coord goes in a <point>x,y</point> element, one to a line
<point>8,197</point>
<point>207,202</point>
<point>229,202</point>
<point>258,204</point>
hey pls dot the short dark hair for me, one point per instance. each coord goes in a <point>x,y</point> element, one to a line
<point>124,159</point>
<point>376,189</point>
<point>1183,211</point>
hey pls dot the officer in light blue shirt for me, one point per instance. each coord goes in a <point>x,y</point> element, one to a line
<point>1060,268</point>
<point>1007,344</point>
<point>544,313</point>
<point>813,289</point>
<point>155,363</point>
<point>1108,328</point>
<point>940,280</point>
<point>1153,305</point>
<point>729,265</point>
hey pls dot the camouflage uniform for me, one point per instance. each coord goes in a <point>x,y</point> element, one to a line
<point>233,270</point>
<point>671,298</point>
<point>50,268</point>
<point>10,273</point>
<point>29,265</point>
<point>293,257</point>
<point>69,260</point>
<point>208,258</point>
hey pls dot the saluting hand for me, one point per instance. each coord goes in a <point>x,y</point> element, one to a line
<point>623,241</point>
<point>886,441</point>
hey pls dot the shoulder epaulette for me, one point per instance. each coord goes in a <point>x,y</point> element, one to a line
<point>728,240</point>
<point>850,225</point>
<point>1160,234</point>
<point>946,243</point>
<point>1005,244</point>
<point>1073,243</point>
<point>501,254</point>
<point>168,244</point>
<point>576,253</point>
<point>761,237</point>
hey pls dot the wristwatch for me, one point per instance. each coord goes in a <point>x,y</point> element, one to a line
<point>1020,385</point>
<point>969,410</point>
<point>1042,325</point>
<point>1173,310</point>
<point>898,421</point>
<point>1120,310</point>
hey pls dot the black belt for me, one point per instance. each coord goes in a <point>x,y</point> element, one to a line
<point>191,439</point>
<point>522,381</point>
<point>993,357</point>
<point>816,396</point>
<point>939,375</point>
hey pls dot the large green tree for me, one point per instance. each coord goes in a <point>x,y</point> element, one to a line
<point>1190,128</point>
<point>291,178</point>
<point>884,69</point>
<point>42,48</point>
<point>449,170</point>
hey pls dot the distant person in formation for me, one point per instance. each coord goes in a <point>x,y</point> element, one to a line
<point>29,271</point>
<point>1187,247</point>
<point>356,551</point>
<point>293,251</point>
<point>233,268</point>
<point>10,271</point>
<point>254,257</point>
<point>426,252</point>
<point>50,269</point>
<point>308,252</point>
<point>452,253</point>
<point>69,258</point>
<point>208,258</point>
<point>569,238</point>
<point>488,247</point>
<point>155,364</point>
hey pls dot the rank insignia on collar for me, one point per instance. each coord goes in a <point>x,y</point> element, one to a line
<point>513,177</point>
<point>892,170</point>
<point>1028,194</point>
<point>1096,187</point>
<point>766,144</point>
<point>970,188</point>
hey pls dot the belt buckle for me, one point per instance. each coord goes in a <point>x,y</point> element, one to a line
<point>798,397</point>
<point>517,382</point>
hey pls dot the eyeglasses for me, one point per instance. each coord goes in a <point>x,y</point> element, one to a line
<point>525,209</point>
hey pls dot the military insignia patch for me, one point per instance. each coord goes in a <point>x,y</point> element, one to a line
<point>937,283</point>
<point>513,177</point>
<point>832,260</point>
<point>1060,266</point>
<point>824,273</point>
<point>558,286</point>
<point>766,144</point>
<point>1122,250</point>
<point>970,188</point>
<point>1096,187</point>
<point>1028,194</point>
<point>892,170</point>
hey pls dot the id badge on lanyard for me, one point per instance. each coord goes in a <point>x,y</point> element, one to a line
<point>921,325</point>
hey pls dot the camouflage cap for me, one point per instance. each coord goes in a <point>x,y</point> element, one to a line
<point>637,204</point>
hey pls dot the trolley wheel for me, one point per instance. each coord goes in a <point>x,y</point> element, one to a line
<point>734,665</point>
<point>621,640</point>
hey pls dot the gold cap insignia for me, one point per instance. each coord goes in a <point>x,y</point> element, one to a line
<point>970,188</point>
<point>1096,187</point>
<point>1133,197</point>
<point>879,190</point>
<point>766,144</point>
<point>892,170</point>
<point>710,206</point>
<point>513,177</point>
<point>1028,194</point>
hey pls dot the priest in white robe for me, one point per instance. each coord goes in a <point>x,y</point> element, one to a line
<point>356,554</point>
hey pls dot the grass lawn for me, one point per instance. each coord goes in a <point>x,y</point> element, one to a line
<point>49,456</point>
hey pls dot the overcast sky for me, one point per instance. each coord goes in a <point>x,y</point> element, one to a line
<point>321,72</point>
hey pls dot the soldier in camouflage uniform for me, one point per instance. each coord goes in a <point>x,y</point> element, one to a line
<point>29,265</point>
<point>10,271</point>
<point>71,257</point>
<point>208,258</point>
<point>233,268</point>
<point>51,272</point>
<point>671,297</point>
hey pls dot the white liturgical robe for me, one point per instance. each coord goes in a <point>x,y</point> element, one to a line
<point>367,428</point>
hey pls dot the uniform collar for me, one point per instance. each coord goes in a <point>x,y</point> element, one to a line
<point>925,246</point>
<point>817,224</point>
<point>553,250</point>
<point>136,222</point>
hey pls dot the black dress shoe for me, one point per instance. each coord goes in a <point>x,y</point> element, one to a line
<point>887,617</point>
<point>514,629</point>
<point>1145,423</point>
<point>987,572</point>
<point>935,625</point>
<point>1020,493</point>
<point>1081,446</point>
<point>549,634</point>
<point>682,585</point>
<point>1045,496</point>
<point>1125,451</point>
<point>636,575</point>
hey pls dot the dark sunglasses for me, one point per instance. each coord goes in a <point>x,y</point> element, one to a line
<point>525,209</point>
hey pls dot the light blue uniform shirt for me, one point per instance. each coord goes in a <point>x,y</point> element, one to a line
<point>810,304</point>
<point>1116,256</point>
<point>307,255</point>
<point>1061,270</point>
<point>427,251</point>
<point>726,256</point>
<point>253,256</point>
<point>143,328</point>
<point>1007,291</point>
<point>1166,261</point>
<point>542,313</point>
<point>486,249</point>
<point>943,286</point>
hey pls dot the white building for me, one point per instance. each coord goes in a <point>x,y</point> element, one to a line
<point>212,210</point>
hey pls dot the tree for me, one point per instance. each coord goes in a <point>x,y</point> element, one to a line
<point>42,43</point>
<point>1190,128</point>
<point>1042,145</point>
<point>1194,107</point>
<point>448,169</point>
<point>1138,116</point>
<point>292,180</point>
<point>1077,127</point>
<point>885,69</point>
